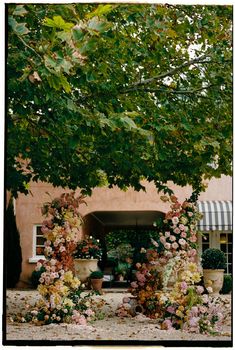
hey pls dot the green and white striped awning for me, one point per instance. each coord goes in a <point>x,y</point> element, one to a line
<point>217,215</point>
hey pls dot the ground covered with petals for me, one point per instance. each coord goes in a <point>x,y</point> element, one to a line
<point>108,327</point>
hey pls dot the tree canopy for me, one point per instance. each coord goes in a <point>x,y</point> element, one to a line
<point>117,93</point>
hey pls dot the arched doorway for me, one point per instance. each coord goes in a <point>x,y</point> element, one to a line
<point>122,235</point>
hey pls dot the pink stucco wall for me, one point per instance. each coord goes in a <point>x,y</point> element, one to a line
<point>28,208</point>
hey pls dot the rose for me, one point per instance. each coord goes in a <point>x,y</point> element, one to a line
<point>182,242</point>
<point>175,220</point>
<point>167,234</point>
<point>167,246</point>
<point>183,235</point>
<point>177,230</point>
<point>172,238</point>
<point>175,245</point>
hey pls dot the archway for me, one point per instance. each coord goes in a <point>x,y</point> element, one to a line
<point>137,224</point>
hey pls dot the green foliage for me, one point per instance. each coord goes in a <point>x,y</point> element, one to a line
<point>96,275</point>
<point>116,93</point>
<point>213,259</point>
<point>227,285</point>
<point>13,255</point>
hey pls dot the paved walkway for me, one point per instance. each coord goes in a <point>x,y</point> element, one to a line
<point>111,328</point>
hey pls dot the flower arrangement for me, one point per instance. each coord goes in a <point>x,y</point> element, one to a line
<point>88,248</point>
<point>60,291</point>
<point>185,306</point>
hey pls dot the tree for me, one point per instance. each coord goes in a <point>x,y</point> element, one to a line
<point>116,93</point>
<point>13,255</point>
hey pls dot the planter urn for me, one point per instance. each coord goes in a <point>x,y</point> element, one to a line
<point>84,267</point>
<point>213,279</point>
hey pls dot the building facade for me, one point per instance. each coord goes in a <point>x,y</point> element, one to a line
<point>109,209</point>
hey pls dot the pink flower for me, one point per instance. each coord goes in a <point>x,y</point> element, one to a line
<point>175,220</point>
<point>182,227</point>
<point>182,241</point>
<point>177,230</point>
<point>194,311</point>
<point>89,312</point>
<point>167,246</point>
<point>134,285</point>
<point>193,238</point>
<point>183,235</point>
<point>170,309</point>
<point>199,289</point>
<point>190,214</point>
<point>162,239</point>
<point>140,277</point>
<point>183,286</point>
<point>175,245</point>
<point>193,321</point>
<point>82,320</point>
<point>167,324</point>
<point>172,238</point>
<point>167,234</point>
<point>192,252</point>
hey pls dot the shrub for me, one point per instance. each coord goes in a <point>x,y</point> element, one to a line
<point>96,275</point>
<point>213,259</point>
<point>227,285</point>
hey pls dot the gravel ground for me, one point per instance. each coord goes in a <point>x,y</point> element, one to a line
<point>110,328</point>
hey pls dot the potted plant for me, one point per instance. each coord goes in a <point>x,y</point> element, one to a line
<point>213,263</point>
<point>120,271</point>
<point>96,278</point>
<point>86,256</point>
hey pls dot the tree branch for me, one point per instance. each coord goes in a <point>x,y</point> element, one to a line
<point>168,73</point>
<point>29,47</point>
<point>180,92</point>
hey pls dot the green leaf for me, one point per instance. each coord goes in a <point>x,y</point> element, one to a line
<point>101,10</point>
<point>58,22</point>
<point>97,25</point>
<point>78,33</point>
<point>20,11</point>
<point>18,28</point>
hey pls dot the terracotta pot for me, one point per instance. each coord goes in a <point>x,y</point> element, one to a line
<point>213,279</point>
<point>84,267</point>
<point>96,284</point>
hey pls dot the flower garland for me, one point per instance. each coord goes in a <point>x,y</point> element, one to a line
<point>60,291</point>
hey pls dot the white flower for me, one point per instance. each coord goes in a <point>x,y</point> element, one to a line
<point>175,220</point>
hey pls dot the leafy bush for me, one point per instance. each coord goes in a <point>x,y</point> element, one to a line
<point>96,274</point>
<point>213,259</point>
<point>227,285</point>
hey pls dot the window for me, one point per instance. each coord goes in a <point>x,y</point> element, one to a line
<point>205,241</point>
<point>226,247</point>
<point>38,242</point>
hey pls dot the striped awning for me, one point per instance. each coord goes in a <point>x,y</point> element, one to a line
<point>217,215</point>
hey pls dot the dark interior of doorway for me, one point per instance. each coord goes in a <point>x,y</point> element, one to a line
<point>122,249</point>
